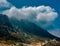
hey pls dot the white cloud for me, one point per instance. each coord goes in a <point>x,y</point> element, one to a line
<point>40,13</point>
<point>4,3</point>
<point>55,32</point>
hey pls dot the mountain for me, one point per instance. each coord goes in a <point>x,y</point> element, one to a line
<point>22,33</point>
<point>31,28</point>
<point>4,26</point>
<point>8,32</point>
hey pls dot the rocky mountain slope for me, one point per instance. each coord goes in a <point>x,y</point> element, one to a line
<point>33,29</point>
<point>22,33</point>
<point>7,31</point>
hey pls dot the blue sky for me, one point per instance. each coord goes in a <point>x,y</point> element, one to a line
<point>53,3</point>
<point>18,4</point>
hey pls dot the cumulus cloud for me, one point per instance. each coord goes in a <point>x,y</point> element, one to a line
<point>4,3</point>
<point>55,32</point>
<point>40,13</point>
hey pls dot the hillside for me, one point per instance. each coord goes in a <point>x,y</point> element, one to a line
<point>22,33</point>
<point>32,28</point>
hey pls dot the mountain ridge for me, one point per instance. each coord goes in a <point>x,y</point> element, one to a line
<point>32,28</point>
<point>24,33</point>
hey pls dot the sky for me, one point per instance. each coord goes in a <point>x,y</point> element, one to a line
<point>45,13</point>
